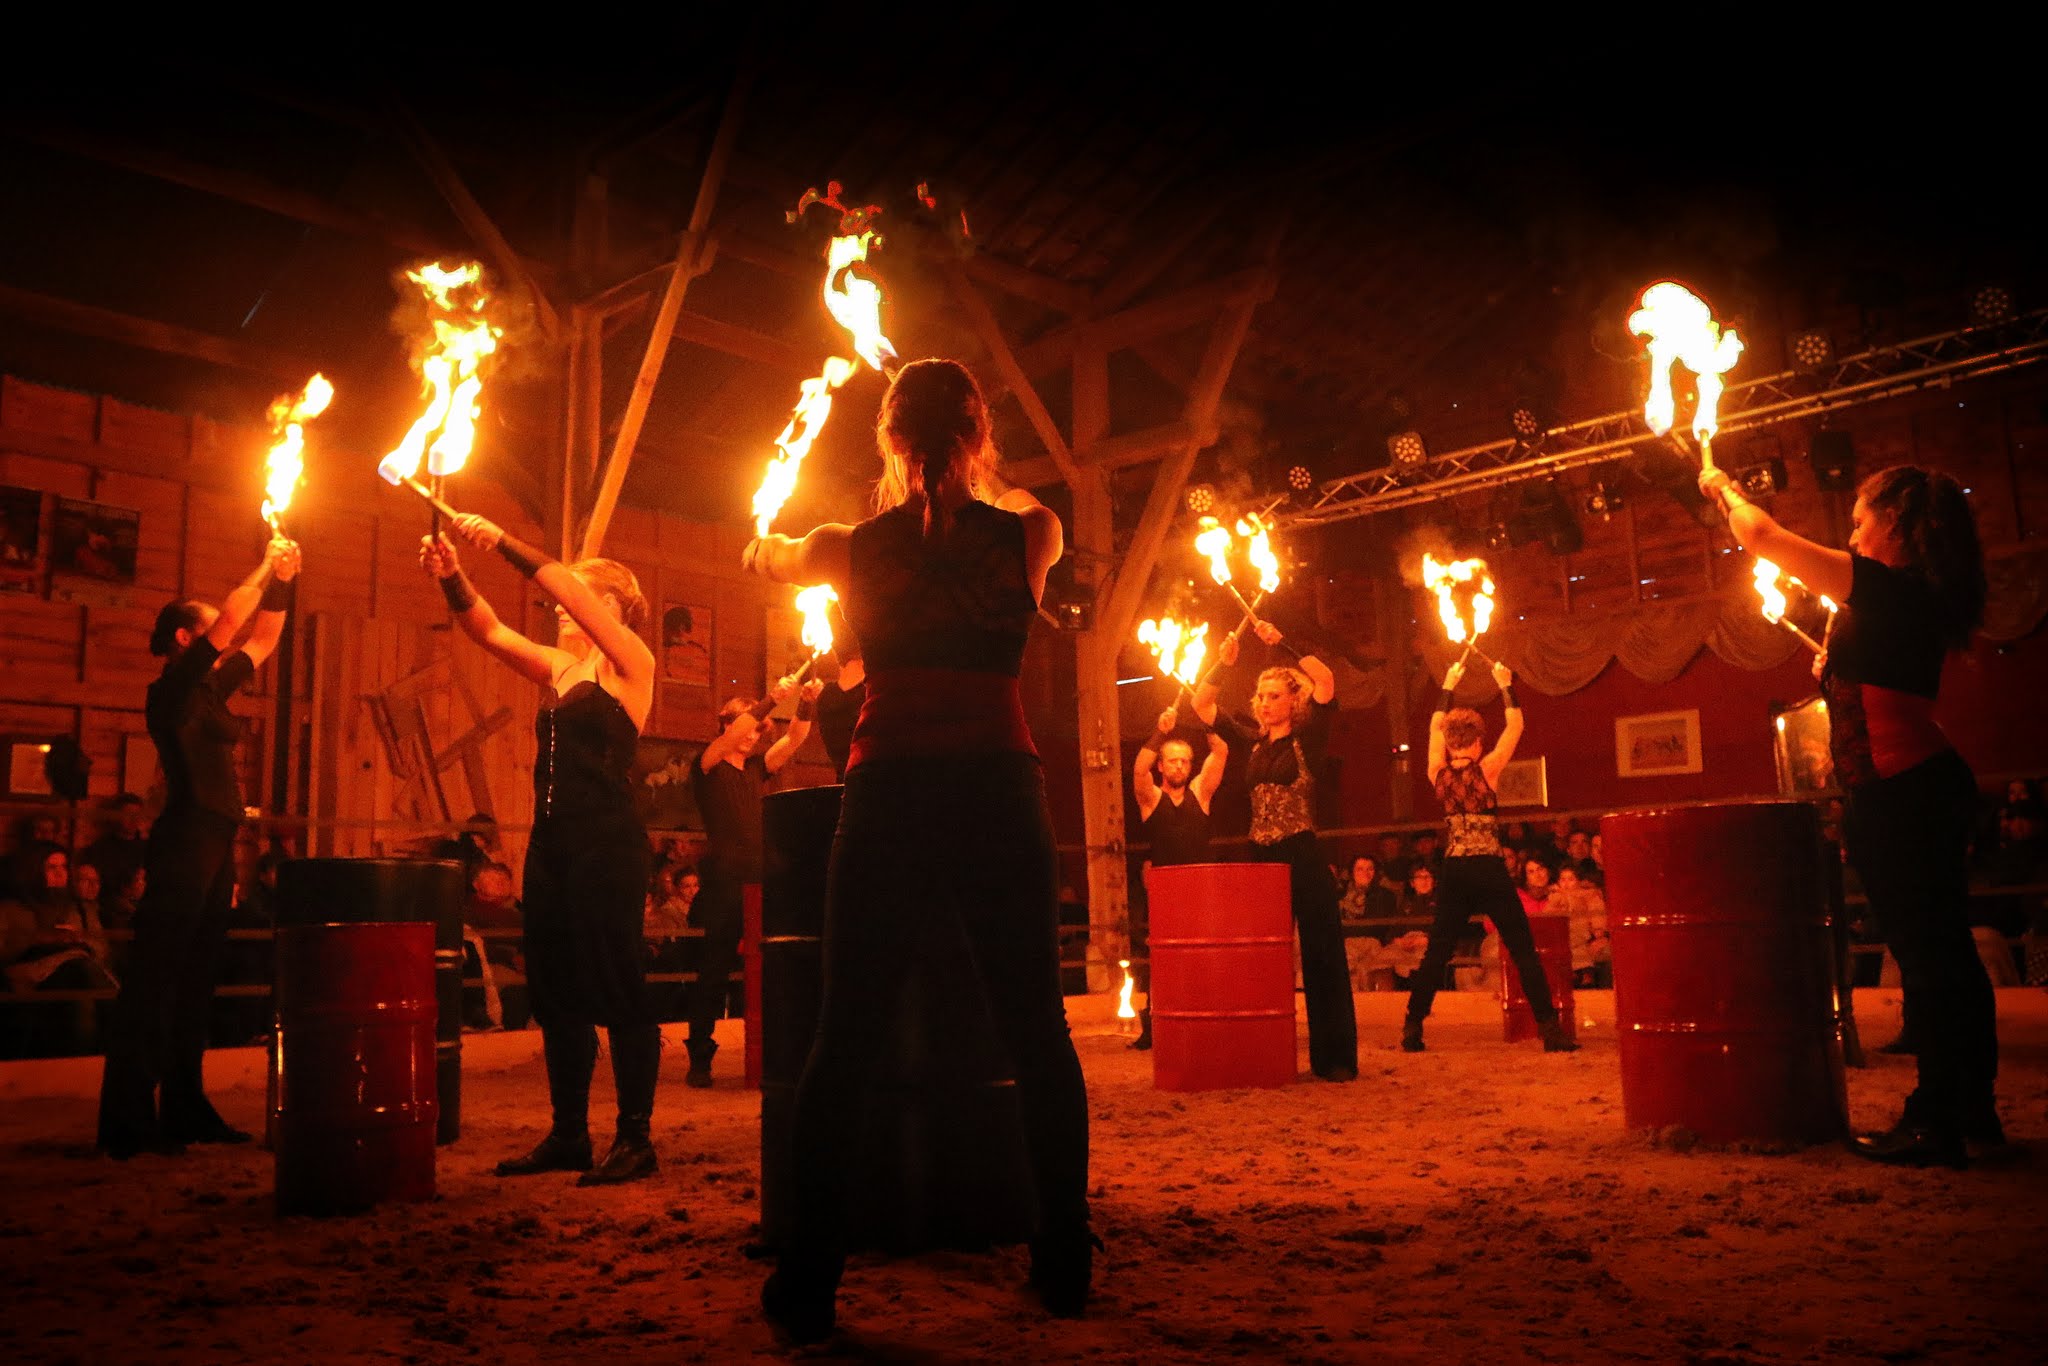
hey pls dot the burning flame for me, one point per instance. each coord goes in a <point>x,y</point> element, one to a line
<point>1767,575</point>
<point>1212,539</point>
<point>452,366</point>
<point>1124,1009</point>
<point>812,408</point>
<point>285,466</point>
<point>855,300</point>
<point>1259,551</point>
<point>1681,330</point>
<point>815,603</point>
<point>1439,577</point>
<point>1179,648</point>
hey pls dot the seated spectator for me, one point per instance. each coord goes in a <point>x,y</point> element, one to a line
<point>478,844</point>
<point>1393,858</point>
<point>44,945</point>
<point>1427,855</point>
<point>1367,899</point>
<point>1583,902</point>
<point>1402,953</point>
<point>1514,858</point>
<point>493,905</point>
<point>1535,887</point>
<point>668,910</point>
<point>1552,848</point>
<point>1578,856</point>
<point>123,839</point>
<point>1515,835</point>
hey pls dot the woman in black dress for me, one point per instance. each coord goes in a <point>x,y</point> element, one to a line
<point>1911,588</point>
<point>944,814</point>
<point>158,1037</point>
<point>587,861</point>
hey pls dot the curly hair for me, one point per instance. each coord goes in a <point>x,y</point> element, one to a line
<point>1462,727</point>
<point>1301,690</point>
<point>609,576</point>
<point>1938,531</point>
<point>934,420</point>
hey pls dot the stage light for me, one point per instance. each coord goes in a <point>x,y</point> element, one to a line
<point>1991,305</point>
<point>1603,502</point>
<point>1811,350</point>
<point>1527,424</point>
<point>1497,537</point>
<point>1201,498</point>
<point>1833,457</point>
<point>1407,451</point>
<point>1763,480</point>
<point>1300,478</point>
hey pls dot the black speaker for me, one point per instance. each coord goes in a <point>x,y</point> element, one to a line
<point>1833,457</point>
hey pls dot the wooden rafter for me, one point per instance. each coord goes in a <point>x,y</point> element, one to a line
<point>165,338</point>
<point>991,334</point>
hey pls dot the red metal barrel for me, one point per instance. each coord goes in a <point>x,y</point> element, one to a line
<point>356,1102</point>
<point>1222,946</point>
<point>1724,987</point>
<point>1553,935</point>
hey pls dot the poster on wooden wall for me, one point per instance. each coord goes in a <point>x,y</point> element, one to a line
<point>24,557</point>
<point>662,790</point>
<point>92,552</point>
<point>1524,782</point>
<point>1657,744</point>
<point>686,645</point>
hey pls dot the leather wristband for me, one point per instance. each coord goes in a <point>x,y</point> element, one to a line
<point>806,709</point>
<point>459,591</point>
<point>1446,701</point>
<point>761,709</point>
<point>521,556</point>
<point>1507,698</point>
<point>277,596</point>
<point>1158,741</point>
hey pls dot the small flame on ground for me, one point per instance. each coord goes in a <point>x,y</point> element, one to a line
<point>1767,575</point>
<point>285,466</point>
<point>815,603</point>
<point>1439,577</point>
<point>1212,539</point>
<point>1125,1010</point>
<point>1259,550</point>
<point>1681,330</point>
<point>1179,648</point>
<point>452,366</point>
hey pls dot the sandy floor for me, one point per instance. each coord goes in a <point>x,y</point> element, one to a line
<point>1476,1203</point>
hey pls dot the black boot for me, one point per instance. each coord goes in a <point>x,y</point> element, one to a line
<point>1062,1267</point>
<point>1411,1036</point>
<point>631,1157</point>
<point>570,1052</point>
<point>1144,1039</point>
<point>699,1075</point>
<point>1555,1040</point>
<point>1907,1144</point>
<point>555,1153</point>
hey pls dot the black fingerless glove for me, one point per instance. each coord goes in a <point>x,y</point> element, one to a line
<point>1507,697</point>
<point>521,556</point>
<point>761,709</point>
<point>277,596</point>
<point>1158,741</point>
<point>459,591</point>
<point>806,709</point>
<point>1446,701</point>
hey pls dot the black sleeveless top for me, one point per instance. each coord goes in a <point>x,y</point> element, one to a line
<point>1471,828</point>
<point>584,765</point>
<point>942,628</point>
<point>195,734</point>
<point>1177,834</point>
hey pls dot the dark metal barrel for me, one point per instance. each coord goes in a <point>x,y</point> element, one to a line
<point>939,1151</point>
<point>1725,1004</point>
<point>348,891</point>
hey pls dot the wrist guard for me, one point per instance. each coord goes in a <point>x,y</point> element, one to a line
<point>1158,741</point>
<point>459,591</point>
<point>1445,701</point>
<point>806,709</point>
<point>522,556</point>
<point>277,596</point>
<point>761,709</point>
<point>1507,698</point>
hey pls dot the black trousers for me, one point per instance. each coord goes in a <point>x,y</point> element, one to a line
<point>922,843</point>
<point>719,912</point>
<point>1908,837</point>
<point>1325,971</point>
<point>157,1042</point>
<point>1469,886</point>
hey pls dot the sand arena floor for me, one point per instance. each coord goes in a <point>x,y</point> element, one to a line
<point>1479,1202</point>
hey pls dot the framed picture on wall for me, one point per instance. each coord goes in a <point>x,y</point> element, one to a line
<point>686,644</point>
<point>28,773</point>
<point>1658,744</point>
<point>1806,764</point>
<point>1525,782</point>
<point>92,551</point>
<point>24,558</point>
<point>662,790</point>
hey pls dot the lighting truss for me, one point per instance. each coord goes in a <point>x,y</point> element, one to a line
<point>1879,373</point>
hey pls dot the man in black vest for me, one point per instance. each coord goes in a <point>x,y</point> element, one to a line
<point>1173,817</point>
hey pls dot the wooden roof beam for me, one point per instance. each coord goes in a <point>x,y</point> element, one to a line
<point>991,334</point>
<point>168,339</point>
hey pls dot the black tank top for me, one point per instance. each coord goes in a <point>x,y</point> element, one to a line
<point>186,710</point>
<point>584,765</point>
<point>1177,834</point>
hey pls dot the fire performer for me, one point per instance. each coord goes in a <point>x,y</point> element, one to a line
<point>944,815</point>
<point>1911,588</point>
<point>730,780</point>
<point>1474,881</point>
<point>1173,815</point>
<point>158,1039</point>
<point>1289,735</point>
<point>587,860</point>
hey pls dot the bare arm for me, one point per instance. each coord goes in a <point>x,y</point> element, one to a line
<point>1211,777</point>
<point>241,602</point>
<point>1211,686</point>
<point>269,627</point>
<point>479,621</point>
<point>1044,538</point>
<point>1510,732</point>
<point>1817,566</point>
<point>785,749</point>
<point>736,733</point>
<point>1144,786</point>
<point>1324,682</point>
<point>823,556</point>
<point>1439,749</point>
<point>621,646</point>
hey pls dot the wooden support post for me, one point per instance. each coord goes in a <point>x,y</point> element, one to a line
<point>693,257</point>
<point>991,334</point>
<point>1392,601</point>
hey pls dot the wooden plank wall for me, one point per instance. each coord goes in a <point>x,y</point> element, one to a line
<point>367,616</point>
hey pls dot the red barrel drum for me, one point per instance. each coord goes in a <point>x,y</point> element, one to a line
<point>1725,1001</point>
<point>356,1097</point>
<point>1553,935</point>
<point>1222,945</point>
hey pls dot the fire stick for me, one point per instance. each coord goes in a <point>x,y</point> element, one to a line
<point>440,508</point>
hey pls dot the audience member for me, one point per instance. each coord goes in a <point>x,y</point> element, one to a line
<point>1428,853</point>
<point>1583,901</point>
<point>44,945</point>
<point>123,839</point>
<point>478,844</point>
<point>1578,857</point>
<point>1514,858</point>
<point>1535,887</point>
<point>1393,858</point>
<point>1367,899</point>
<point>493,904</point>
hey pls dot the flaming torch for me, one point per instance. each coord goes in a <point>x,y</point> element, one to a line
<point>1259,550</point>
<point>1440,578</point>
<point>854,299</point>
<point>1212,539</point>
<point>1681,330</point>
<point>285,466</point>
<point>1767,576</point>
<point>451,366</point>
<point>815,603</point>
<point>1179,648</point>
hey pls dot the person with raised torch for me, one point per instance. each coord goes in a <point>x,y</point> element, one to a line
<point>1173,819</point>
